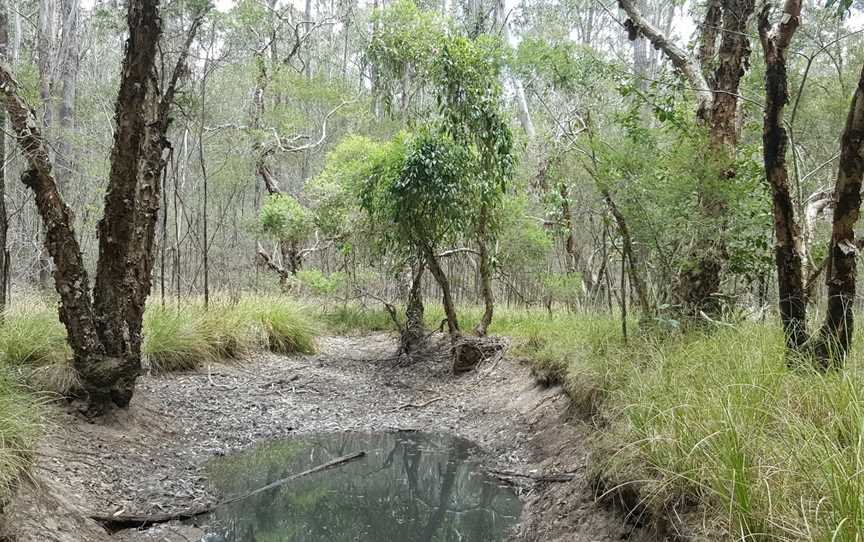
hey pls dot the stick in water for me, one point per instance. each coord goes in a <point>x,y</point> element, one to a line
<point>132,521</point>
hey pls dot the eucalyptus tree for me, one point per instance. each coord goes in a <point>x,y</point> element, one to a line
<point>422,186</point>
<point>415,55</point>
<point>469,94</point>
<point>714,75</point>
<point>834,339</point>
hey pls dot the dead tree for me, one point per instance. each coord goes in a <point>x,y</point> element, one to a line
<point>104,331</point>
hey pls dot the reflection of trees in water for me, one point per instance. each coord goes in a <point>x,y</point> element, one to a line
<point>411,487</point>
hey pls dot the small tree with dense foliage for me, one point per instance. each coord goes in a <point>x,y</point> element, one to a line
<point>423,188</point>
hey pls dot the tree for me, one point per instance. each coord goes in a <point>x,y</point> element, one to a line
<point>104,331</point>
<point>470,97</point>
<point>287,222</point>
<point>422,187</point>
<point>715,84</point>
<point>775,140</point>
<point>835,336</point>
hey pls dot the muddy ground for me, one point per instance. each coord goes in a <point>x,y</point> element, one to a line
<point>150,458</point>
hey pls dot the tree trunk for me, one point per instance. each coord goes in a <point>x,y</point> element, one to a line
<point>717,104</point>
<point>68,78</point>
<point>775,140</point>
<point>524,113</point>
<point>485,268</point>
<point>637,280</point>
<point>105,332</point>
<point>4,219</point>
<point>414,332</point>
<point>44,47</point>
<point>701,282</point>
<point>70,276</point>
<point>446,297</point>
<point>835,337</point>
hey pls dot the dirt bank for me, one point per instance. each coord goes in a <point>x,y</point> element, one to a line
<point>150,458</point>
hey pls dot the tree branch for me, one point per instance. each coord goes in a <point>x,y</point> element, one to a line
<point>688,66</point>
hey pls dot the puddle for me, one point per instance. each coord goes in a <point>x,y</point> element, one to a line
<point>410,487</point>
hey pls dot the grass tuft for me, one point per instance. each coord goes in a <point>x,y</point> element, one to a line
<point>21,423</point>
<point>175,339</point>
<point>286,326</point>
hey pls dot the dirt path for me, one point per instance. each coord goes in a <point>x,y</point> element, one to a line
<point>149,458</point>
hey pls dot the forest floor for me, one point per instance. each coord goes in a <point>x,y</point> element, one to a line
<point>151,457</point>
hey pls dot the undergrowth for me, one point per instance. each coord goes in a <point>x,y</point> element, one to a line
<point>710,423</point>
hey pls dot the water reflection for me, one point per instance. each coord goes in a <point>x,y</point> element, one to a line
<point>411,487</point>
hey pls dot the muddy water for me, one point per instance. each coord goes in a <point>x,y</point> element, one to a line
<point>410,486</point>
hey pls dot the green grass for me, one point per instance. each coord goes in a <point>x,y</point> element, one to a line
<point>21,423</point>
<point>351,318</point>
<point>176,338</point>
<point>287,327</point>
<point>715,418</point>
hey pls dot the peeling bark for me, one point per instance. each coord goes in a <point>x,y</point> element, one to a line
<point>104,332</point>
<point>835,336</point>
<point>775,141</point>
<point>115,230</point>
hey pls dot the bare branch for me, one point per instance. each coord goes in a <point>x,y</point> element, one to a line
<point>688,66</point>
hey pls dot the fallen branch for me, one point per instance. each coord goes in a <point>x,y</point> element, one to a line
<point>118,522</point>
<point>563,477</point>
<point>421,405</point>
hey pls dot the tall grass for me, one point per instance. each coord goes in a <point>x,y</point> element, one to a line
<point>21,422</point>
<point>287,327</point>
<point>176,338</point>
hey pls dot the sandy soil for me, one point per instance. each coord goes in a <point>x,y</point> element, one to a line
<point>150,458</point>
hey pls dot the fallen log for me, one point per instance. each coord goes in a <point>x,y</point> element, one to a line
<point>119,522</point>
